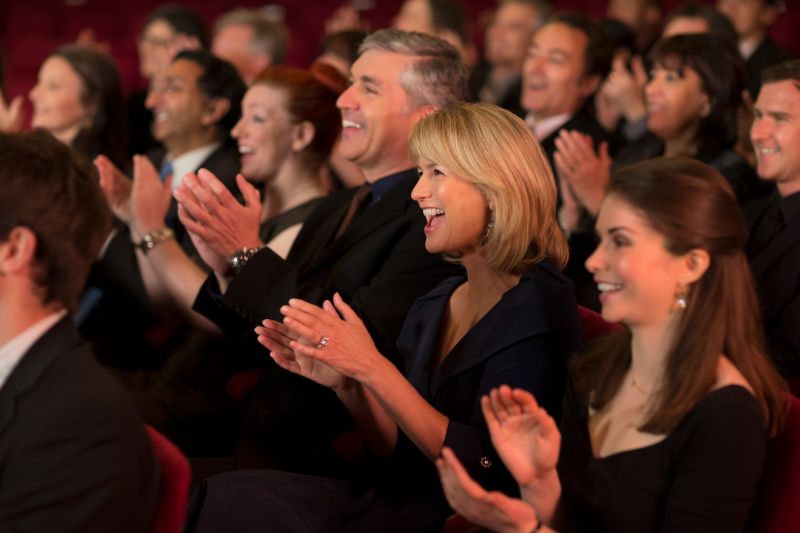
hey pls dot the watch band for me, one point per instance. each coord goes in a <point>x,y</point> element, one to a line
<point>151,239</point>
<point>242,256</point>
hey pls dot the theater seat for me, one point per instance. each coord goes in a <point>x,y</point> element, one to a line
<point>777,507</point>
<point>174,488</point>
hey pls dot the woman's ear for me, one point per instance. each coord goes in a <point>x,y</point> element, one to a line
<point>695,264</point>
<point>302,135</point>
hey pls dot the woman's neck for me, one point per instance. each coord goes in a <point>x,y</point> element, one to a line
<point>650,346</point>
<point>684,143</point>
<point>293,185</point>
<point>485,285</point>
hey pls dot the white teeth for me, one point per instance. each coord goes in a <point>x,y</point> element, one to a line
<point>431,212</point>
<point>768,151</point>
<point>606,287</point>
<point>246,149</point>
<point>161,116</point>
<point>350,124</point>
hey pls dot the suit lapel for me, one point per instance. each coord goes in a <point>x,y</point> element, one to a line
<point>59,339</point>
<point>389,208</point>
<point>776,269</point>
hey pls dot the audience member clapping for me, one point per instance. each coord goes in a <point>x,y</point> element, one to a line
<point>512,317</point>
<point>647,425</point>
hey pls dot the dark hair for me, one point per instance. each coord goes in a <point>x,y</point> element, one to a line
<point>693,207</point>
<point>344,44</point>
<point>310,96</point>
<point>722,74</point>
<point>450,15</point>
<point>219,80</point>
<point>183,20</point>
<point>56,194</point>
<point>786,71</point>
<point>101,94</point>
<point>718,24</point>
<point>599,48</point>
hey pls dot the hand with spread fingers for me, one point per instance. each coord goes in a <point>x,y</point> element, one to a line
<point>493,510</point>
<point>217,223</point>
<point>277,338</point>
<point>150,198</point>
<point>216,216</point>
<point>624,87</point>
<point>585,171</point>
<point>341,343</point>
<point>116,186</point>
<point>524,435</point>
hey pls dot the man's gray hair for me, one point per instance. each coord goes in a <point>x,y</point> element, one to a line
<point>438,77</point>
<point>269,36</point>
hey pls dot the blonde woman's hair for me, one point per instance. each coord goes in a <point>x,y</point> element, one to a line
<point>495,151</point>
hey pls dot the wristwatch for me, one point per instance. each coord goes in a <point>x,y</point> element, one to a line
<point>242,256</point>
<point>151,239</point>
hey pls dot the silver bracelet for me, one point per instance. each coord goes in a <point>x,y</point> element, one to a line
<point>151,239</point>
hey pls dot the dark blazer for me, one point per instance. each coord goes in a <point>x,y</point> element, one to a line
<point>117,323</point>
<point>524,341</point>
<point>509,100</point>
<point>765,55</point>
<point>379,266</point>
<point>74,455</point>
<point>776,269</point>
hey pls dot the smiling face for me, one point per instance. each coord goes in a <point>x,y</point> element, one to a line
<point>56,99</point>
<point>178,106</point>
<point>675,102</point>
<point>509,34</point>
<point>775,134</point>
<point>264,132</point>
<point>377,118</point>
<point>553,73</point>
<point>455,210</point>
<point>637,277</point>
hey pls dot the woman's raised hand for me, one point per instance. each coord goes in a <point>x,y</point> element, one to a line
<point>585,171</point>
<point>493,510</point>
<point>341,343</point>
<point>10,114</point>
<point>277,338</point>
<point>524,435</point>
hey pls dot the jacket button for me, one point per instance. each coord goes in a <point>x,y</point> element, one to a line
<point>486,462</point>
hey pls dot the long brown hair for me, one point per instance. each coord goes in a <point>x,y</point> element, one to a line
<point>691,206</point>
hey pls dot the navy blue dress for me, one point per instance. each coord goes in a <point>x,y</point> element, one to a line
<point>523,341</point>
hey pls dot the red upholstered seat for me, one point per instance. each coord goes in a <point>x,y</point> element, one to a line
<point>174,489</point>
<point>777,507</point>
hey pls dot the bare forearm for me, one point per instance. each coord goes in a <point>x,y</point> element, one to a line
<point>377,427</point>
<point>418,419</point>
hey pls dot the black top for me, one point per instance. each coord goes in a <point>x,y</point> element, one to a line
<point>702,477</point>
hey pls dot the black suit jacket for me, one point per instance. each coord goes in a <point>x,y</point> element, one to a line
<point>776,269</point>
<point>117,324</point>
<point>379,266</point>
<point>765,55</point>
<point>73,452</point>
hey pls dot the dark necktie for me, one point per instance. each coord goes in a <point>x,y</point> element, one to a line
<point>358,201</point>
<point>769,227</point>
